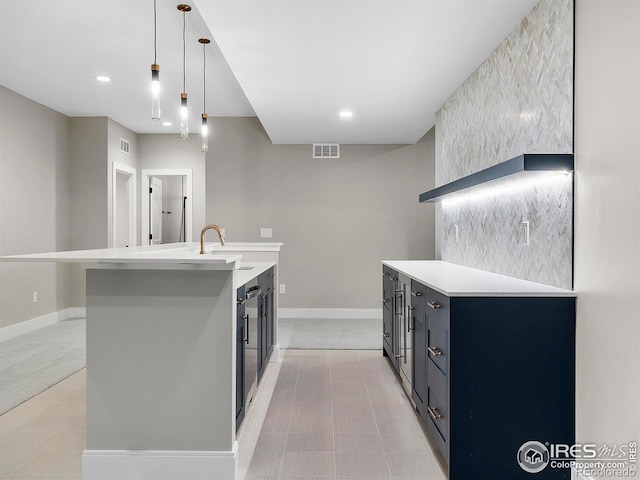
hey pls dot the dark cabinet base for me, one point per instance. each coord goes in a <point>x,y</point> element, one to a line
<point>489,375</point>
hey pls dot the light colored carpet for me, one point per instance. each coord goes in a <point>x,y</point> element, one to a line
<point>33,362</point>
<point>330,333</point>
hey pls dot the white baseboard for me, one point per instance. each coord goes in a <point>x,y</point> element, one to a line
<point>346,313</point>
<point>275,355</point>
<point>38,322</point>
<point>158,465</point>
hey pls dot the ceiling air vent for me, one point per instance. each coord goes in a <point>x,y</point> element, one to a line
<point>125,147</point>
<point>326,150</point>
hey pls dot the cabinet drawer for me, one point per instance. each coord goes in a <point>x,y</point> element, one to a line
<point>438,342</point>
<point>389,279</point>
<point>418,295</point>
<point>436,413</point>
<point>437,304</point>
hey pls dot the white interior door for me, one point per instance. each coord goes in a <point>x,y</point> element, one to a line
<point>155,209</point>
<point>121,214</point>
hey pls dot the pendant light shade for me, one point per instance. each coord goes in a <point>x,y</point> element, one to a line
<point>205,128</point>
<point>155,91</point>
<point>155,70</point>
<point>184,116</point>
<point>184,111</point>
<point>205,133</point>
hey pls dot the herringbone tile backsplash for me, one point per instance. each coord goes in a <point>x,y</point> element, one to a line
<point>520,100</point>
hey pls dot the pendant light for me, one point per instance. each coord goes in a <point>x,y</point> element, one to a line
<point>155,70</point>
<point>205,127</point>
<point>184,111</point>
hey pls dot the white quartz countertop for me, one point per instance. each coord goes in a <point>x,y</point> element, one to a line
<point>459,281</point>
<point>174,253</point>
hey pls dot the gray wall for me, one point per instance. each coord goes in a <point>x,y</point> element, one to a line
<point>607,249</point>
<point>34,205</point>
<point>170,152</point>
<point>89,182</point>
<point>338,218</point>
<point>519,100</point>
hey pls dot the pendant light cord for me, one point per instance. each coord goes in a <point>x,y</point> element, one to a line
<point>204,83</point>
<point>184,53</point>
<point>155,32</point>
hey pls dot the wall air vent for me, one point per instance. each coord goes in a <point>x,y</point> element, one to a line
<point>125,147</point>
<point>326,150</point>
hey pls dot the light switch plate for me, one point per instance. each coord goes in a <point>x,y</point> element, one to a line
<point>266,232</point>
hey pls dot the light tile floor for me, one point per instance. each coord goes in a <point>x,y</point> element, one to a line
<point>330,414</point>
<point>318,415</point>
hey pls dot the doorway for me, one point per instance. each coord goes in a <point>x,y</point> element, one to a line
<point>166,206</point>
<point>123,232</point>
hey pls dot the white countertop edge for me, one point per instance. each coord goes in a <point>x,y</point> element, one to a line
<point>172,253</point>
<point>455,280</point>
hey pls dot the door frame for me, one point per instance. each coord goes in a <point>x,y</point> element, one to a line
<point>145,175</point>
<point>131,186</point>
<point>155,183</point>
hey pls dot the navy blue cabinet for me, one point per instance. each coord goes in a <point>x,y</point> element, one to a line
<point>500,372</point>
<point>419,367</point>
<point>389,280</point>
<point>241,325</point>
<point>265,319</point>
<point>490,374</point>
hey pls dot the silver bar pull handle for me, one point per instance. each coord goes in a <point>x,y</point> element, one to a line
<point>246,328</point>
<point>434,351</point>
<point>416,294</point>
<point>433,412</point>
<point>264,305</point>
<point>410,319</point>
<point>433,305</point>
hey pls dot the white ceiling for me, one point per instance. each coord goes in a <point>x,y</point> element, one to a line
<point>294,63</point>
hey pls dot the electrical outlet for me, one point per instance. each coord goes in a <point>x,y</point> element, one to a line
<point>525,232</point>
<point>35,297</point>
<point>266,232</point>
<point>283,289</point>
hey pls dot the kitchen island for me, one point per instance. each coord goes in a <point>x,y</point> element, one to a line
<point>161,357</point>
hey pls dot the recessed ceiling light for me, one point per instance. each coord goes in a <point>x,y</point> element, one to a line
<point>346,114</point>
<point>167,124</point>
<point>103,78</point>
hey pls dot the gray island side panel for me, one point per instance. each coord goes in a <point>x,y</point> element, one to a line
<point>160,350</point>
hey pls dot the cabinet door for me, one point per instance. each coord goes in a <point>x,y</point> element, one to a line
<point>389,278</point>
<point>419,380</point>
<point>240,336</point>
<point>265,320</point>
<point>270,311</point>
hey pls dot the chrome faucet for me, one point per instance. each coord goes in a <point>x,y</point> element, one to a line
<point>211,226</point>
